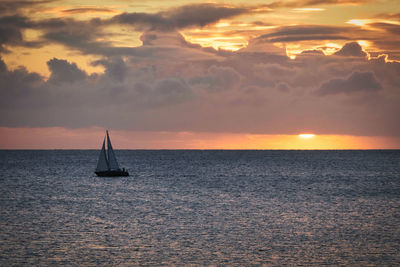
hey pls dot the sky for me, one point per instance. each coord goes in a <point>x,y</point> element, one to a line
<point>200,74</point>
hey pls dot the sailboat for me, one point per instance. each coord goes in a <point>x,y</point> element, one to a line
<point>107,164</point>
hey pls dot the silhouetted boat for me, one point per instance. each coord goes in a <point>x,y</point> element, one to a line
<point>107,164</point>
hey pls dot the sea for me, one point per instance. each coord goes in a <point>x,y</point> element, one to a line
<point>201,208</point>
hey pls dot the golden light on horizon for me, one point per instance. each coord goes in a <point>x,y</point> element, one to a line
<point>88,138</point>
<point>306,136</point>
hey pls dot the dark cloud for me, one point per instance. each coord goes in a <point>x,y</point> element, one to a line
<point>395,16</point>
<point>305,30</point>
<point>115,67</point>
<point>194,15</point>
<point>170,91</point>
<point>89,37</point>
<point>307,38</point>
<point>217,78</point>
<point>11,32</point>
<point>13,6</point>
<point>242,91</point>
<point>15,80</point>
<point>17,88</point>
<point>63,71</point>
<point>16,21</point>
<point>312,52</point>
<point>306,3</point>
<point>9,36</point>
<point>71,98</point>
<point>201,14</point>
<point>83,36</point>
<point>223,78</point>
<point>385,38</point>
<point>352,49</point>
<point>282,87</point>
<point>312,32</point>
<point>357,82</point>
<point>75,34</point>
<point>389,27</point>
<point>84,10</point>
<point>171,84</point>
<point>334,2</point>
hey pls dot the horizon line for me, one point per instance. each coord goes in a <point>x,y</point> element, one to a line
<point>209,149</point>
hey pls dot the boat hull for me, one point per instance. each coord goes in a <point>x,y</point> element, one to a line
<point>111,173</point>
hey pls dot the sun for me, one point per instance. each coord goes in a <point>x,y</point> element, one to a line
<point>306,136</point>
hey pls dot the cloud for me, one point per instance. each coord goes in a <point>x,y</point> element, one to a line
<point>356,82</point>
<point>84,10</point>
<point>115,67</point>
<point>17,88</point>
<point>88,37</point>
<point>307,38</point>
<point>223,78</point>
<point>395,16</point>
<point>170,91</point>
<point>383,37</point>
<point>173,45</point>
<point>283,87</point>
<point>217,78</point>
<point>312,52</point>
<point>70,97</point>
<point>63,71</point>
<point>83,36</point>
<point>193,15</point>
<point>91,36</point>
<point>305,30</point>
<point>351,49</point>
<point>11,32</point>
<point>15,21</point>
<point>311,32</point>
<point>388,27</point>
<point>16,80</point>
<point>243,91</point>
<point>169,83</point>
<point>306,3</point>
<point>13,6</point>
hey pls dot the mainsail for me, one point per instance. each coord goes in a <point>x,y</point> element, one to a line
<point>107,166</point>
<point>102,163</point>
<point>112,161</point>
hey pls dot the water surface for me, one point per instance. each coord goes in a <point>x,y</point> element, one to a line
<point>201,207</point>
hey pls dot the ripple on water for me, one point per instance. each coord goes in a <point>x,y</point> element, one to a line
<point>201,207</point>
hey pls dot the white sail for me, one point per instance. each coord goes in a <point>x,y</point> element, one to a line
<point>112,161</point>
<point>102,163</point>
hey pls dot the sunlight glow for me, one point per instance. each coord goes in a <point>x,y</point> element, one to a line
<point>220,42</point>
<point>331,48</point>
<point>307,136</point>
<point>222,24</point>
<point>307,9</point>
<point>364,43</point>
<point>359,22</point>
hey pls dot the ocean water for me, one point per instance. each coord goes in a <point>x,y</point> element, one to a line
<point>225,208</point>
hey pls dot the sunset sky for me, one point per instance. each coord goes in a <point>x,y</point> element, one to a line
<point>200,74</point>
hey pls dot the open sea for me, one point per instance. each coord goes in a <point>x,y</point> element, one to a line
<point>195,207</point>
